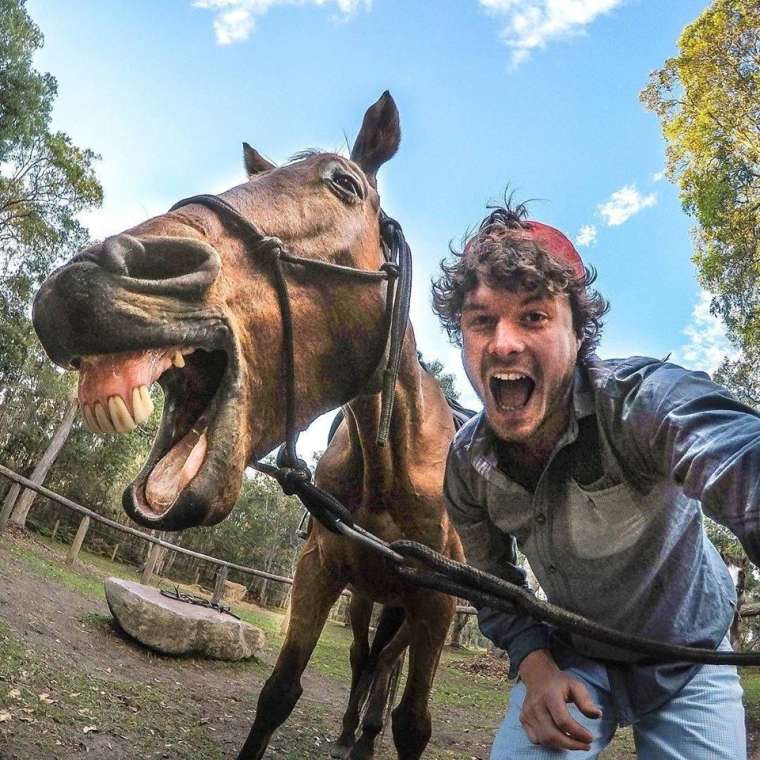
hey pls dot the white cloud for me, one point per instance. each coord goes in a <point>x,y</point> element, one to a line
<point>532,24</point>
<point>586,236</point>
<point>234,20</point>
<point>658,176</point>
<point>707,344</point>
<point>623,204</point>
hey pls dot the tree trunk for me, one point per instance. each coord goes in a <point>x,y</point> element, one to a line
<point>457,627</point>
<point>113,553</point>
<point>24,502</point>
<point>8,502</point>
<point>169,563</point>
<point>55,529</point>
<point>73,554</point>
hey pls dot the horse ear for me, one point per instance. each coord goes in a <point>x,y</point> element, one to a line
<point>254,162</point>
<point>379,137</point>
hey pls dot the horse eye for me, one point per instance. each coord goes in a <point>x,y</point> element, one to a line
<point>347,184</point>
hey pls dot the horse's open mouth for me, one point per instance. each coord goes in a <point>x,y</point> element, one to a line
<point>197,383</point>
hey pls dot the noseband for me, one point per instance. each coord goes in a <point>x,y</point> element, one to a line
<point>396,270</point>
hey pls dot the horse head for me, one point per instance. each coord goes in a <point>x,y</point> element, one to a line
<point>186,299</point>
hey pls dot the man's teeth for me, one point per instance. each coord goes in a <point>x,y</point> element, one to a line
<point>115,417</point>
<point>509,376</point>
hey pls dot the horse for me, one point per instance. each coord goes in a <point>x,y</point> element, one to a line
<point>193,299</point>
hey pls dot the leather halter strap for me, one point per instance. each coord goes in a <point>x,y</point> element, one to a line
<point>397,270</point>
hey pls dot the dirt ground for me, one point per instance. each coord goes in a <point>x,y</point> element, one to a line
<point>211,703</point>
<point>72,685</point>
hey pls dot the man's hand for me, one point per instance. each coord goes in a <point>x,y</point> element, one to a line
<point>545,716</point>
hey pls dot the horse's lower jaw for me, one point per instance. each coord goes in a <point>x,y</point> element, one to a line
<point>194,470</point>
<point>199,490</point>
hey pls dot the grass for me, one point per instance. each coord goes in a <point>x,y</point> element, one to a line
<point>118,704</point>
<point>43,690</point>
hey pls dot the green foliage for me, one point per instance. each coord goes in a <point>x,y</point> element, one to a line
<point>46,181</point>
<point>25,95</point>
<point>260,532</point>
<point>708,101</point>
<point>446,380</point>
<point>741,376</point>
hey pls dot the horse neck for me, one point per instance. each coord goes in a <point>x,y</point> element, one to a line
<point>416,398</point>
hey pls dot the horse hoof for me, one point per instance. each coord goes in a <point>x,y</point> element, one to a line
<point>340,751</point>
<point>360,752</point>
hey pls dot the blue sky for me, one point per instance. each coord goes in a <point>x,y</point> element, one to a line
<point>538,94</point>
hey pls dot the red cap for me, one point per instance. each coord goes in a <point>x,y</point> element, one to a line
<point>551,240</point>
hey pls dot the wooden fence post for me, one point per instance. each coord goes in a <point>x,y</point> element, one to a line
<point>150,563</point>
<point>8,503</point>
<point>73,554</point>
<point>55,529</point>
<point>221,577</point>
<point>113,553</point>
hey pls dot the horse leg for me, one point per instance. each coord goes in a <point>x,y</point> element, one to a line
<point>429,619</point>
<point>360,612</point>
<point>314,593</point>
<point>389,660</point>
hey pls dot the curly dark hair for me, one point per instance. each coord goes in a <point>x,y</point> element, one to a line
<point>498,257</point>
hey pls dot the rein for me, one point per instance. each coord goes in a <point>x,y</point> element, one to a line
<point>415,562</point>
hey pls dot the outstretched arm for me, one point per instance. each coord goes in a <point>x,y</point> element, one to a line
<point>684,426</point>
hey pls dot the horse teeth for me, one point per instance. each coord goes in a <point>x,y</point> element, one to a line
<point>140,410</point>
<point>146,399</point>
<point>89,419</point>
<point>178,360</point>
<point>104,420</point>
<point>122,419</point>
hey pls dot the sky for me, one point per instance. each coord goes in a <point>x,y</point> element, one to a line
<point>540,96</point>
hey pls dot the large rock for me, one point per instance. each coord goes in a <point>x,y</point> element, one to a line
<point>175,627</point>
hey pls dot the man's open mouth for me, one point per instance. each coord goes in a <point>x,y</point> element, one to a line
<point>511,390</point>
<point>197,383</point>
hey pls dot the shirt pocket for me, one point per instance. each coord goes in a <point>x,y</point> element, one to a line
<point>604,523</point>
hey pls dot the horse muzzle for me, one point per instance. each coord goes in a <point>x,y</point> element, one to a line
<point>122,295</point>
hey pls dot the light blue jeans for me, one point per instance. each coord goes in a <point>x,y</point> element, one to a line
<point>704,721</point>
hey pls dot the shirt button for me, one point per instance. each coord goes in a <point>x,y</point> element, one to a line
<point>541,518</point>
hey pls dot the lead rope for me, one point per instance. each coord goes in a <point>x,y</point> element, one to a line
<point>443,574</point>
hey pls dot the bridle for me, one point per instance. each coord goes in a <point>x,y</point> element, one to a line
<point>396,270</point>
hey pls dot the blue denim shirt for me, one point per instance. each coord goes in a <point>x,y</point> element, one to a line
<point>614,528</point>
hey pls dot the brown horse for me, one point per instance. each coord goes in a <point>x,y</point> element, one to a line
<point>185,300</point>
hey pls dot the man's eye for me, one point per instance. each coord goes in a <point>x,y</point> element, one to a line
<point>479,321</point>
<point>535,317</point>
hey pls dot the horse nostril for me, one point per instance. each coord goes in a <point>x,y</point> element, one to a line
<point>158,265</point>
<point>115,252</point>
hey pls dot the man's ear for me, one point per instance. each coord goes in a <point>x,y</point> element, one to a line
<point>379,137</point>
<point>254,162</point>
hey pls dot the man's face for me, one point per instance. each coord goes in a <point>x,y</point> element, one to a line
<point>519,352</point>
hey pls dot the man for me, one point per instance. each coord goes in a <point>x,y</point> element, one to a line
<point>600,472</point>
